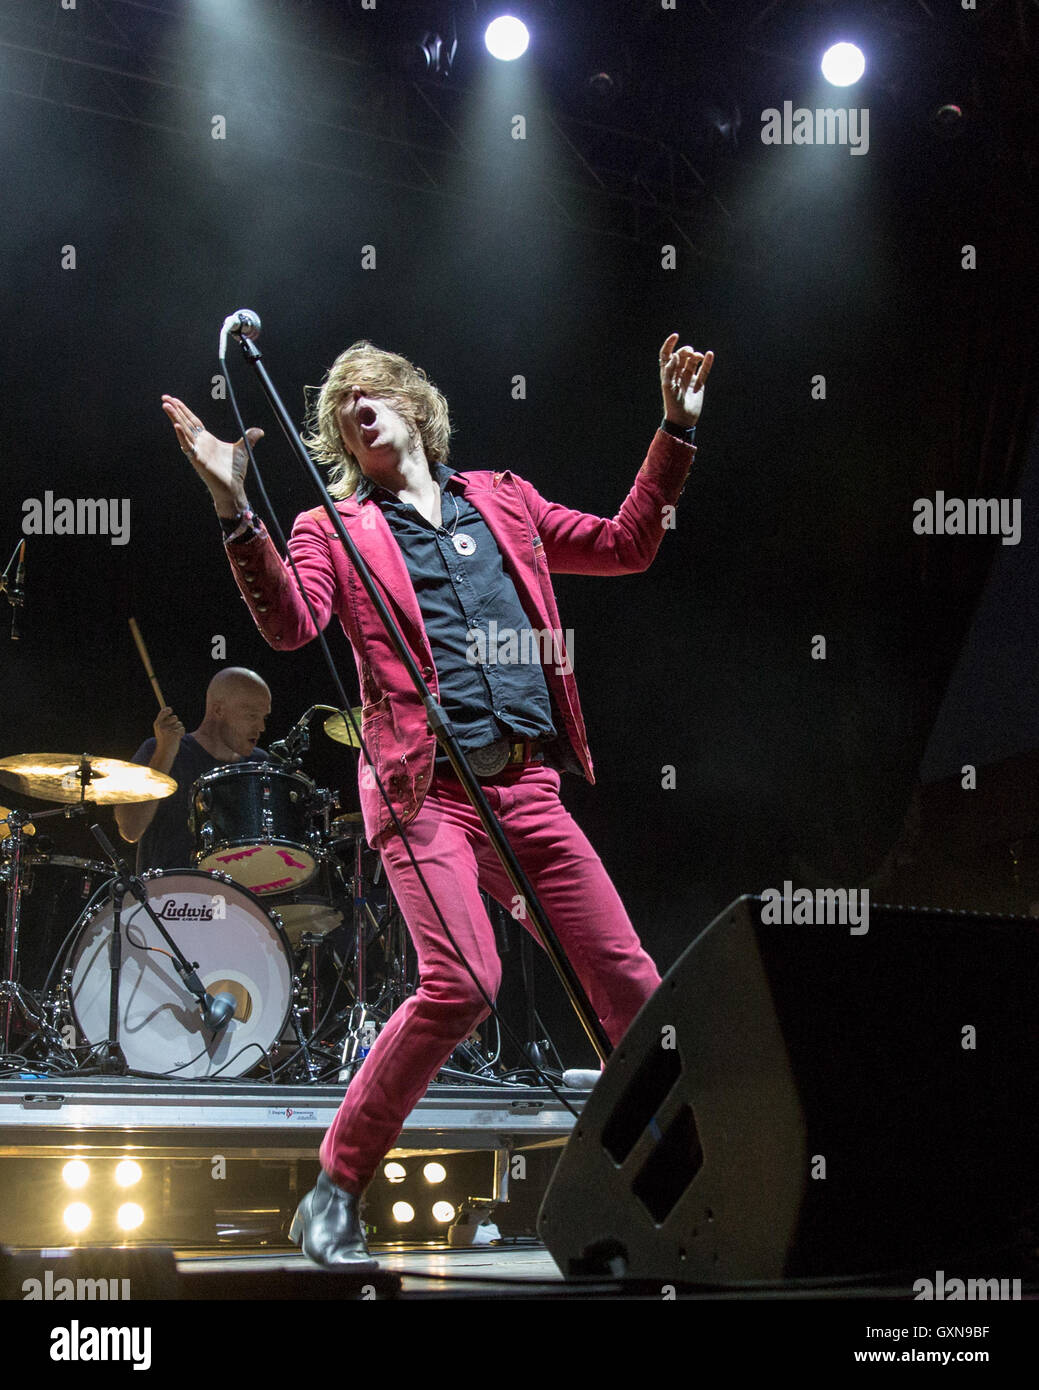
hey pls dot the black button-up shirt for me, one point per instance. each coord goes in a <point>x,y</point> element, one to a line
<point>486,654</point>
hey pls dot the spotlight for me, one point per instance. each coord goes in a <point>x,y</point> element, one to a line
<point>395,1172</point>
<point>843,64</point>
<point>129,1216</point>
<point>434,1172</point>
<point>443,1211</point>
<point>127,1172</point>
<point>77,1216</point>
<point>76,1173</point>
<point>403,1211</point>
<point>506,38</point>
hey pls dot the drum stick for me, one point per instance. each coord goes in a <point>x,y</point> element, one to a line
<point>147,661</point>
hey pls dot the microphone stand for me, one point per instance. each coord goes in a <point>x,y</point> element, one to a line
<point>438,723</point>
<point>15,591</point>
<point>289,750</point>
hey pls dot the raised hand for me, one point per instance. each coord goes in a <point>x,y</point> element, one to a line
<point>168,731</point>
<point>683,374</point>
<point>221,466</point>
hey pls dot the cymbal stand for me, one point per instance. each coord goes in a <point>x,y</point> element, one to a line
<point>363,1024</point>
<point>314,1064</point>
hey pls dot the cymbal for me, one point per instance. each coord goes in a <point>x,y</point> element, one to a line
<point>55,777</point>
<point>5,830</point>
<point>335,726</point>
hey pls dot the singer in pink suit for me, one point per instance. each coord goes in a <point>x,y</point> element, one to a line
<point>463,560</point>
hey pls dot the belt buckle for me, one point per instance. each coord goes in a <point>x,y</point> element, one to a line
<point>489,760</point>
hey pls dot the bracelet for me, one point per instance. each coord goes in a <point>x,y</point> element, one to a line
<point>241,524</point>
<point>686,432</point>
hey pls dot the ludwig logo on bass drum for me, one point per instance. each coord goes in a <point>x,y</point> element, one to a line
<point>174,911</point>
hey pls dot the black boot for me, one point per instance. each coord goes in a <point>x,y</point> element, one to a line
<point>327,1228</point>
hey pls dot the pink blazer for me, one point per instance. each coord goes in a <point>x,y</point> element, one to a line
<point>535,536</point>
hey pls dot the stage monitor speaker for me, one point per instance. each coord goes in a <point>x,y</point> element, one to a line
<point>814,1100</point>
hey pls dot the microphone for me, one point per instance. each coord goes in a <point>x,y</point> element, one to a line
<point>16,596</point>
<point>296,741</point>
<point>242,323</point>
<point>218,1010</point>
<point>577,1079</point>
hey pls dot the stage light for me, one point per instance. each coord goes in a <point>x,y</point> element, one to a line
<point>77,1216</point>
<point>129,1216</point>
<point>434,1172</point>
<point>403,1211</point>
<point>506,38</point>
<point>843,64</point>
<point>76,1173</point>
<point>127,1172</point>
<point>443,1211</point>
<point>395,1172</point>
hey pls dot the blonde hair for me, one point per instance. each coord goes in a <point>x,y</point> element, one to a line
<point>384,374</point>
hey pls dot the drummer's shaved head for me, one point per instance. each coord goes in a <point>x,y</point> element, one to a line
<point>232,683</point>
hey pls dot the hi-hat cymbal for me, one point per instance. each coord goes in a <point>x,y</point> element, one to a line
<point>56,777</point>
<point>336,727</point>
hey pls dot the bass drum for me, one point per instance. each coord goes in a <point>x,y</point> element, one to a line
<point>240,948</point>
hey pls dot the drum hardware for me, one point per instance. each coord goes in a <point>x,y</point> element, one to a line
<point>5,812</point>
<point>323,803</point>
<point>369,924</point>
<point>309,1044</point>
<point>363,1028</point>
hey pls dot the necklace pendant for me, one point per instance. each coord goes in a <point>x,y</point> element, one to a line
<point>465,545</point>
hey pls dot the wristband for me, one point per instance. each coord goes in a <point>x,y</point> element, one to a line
<point>243,525</point>
<point>684,432</point>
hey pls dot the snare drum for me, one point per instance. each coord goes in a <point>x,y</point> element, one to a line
<point>240,948</point>
<point>255,822</point>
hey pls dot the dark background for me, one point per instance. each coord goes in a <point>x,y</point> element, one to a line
<point>542,257</point>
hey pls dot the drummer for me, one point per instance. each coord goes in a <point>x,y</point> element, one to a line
<point>237,705</point>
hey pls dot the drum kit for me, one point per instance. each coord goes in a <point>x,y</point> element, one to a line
<point>279,951</point>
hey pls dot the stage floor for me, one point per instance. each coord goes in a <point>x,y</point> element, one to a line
<point>523,1269</point>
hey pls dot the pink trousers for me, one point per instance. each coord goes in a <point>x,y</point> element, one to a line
<point>452,850</point>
